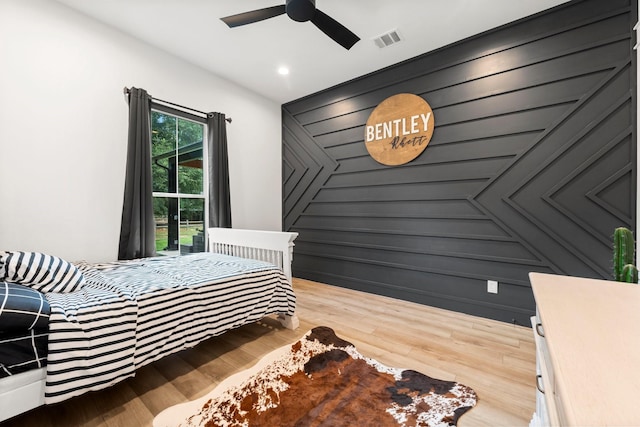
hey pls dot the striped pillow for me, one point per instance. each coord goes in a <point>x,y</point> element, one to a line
<point>44,273</point>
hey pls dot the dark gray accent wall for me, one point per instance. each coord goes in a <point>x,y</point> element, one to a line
<point>530,168</point>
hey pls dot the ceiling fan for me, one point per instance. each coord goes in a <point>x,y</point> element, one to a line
<point>300,11</point>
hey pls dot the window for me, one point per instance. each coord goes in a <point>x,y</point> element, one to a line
<point>179,181</point>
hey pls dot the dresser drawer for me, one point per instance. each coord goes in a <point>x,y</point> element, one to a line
<point>546,408</point>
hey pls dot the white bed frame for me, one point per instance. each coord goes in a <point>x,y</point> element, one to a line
<point>25,391</point>
<point>275,247</point>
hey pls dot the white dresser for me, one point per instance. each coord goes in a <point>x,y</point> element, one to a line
<point>587,336</point>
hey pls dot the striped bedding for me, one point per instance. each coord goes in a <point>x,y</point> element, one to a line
<point>131,313</point>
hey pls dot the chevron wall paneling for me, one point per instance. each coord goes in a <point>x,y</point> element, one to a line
<point>531,166</point>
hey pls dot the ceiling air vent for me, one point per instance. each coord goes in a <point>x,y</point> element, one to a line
<point>387,39</point>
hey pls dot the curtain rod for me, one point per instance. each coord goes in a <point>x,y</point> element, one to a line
<point>126,92</point>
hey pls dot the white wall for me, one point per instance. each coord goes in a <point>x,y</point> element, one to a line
<point>63,127</point>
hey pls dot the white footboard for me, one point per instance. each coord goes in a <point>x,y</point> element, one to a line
<point>275,247</point>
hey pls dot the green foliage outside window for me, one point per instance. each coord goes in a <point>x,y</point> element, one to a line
<point>178,175</point>
<point>176,138</point>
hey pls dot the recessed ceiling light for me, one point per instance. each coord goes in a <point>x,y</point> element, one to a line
<point>283,71</point>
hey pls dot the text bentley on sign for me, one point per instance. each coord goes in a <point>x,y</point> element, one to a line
<point>399,129</point>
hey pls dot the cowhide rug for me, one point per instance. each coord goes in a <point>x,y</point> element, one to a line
<point>322,380</point>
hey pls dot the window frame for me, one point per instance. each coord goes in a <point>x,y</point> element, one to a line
<point>180,114</point>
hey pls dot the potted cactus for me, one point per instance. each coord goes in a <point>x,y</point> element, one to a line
<point>624,269</point>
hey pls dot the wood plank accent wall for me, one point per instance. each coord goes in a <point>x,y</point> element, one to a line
<point>530,168</point>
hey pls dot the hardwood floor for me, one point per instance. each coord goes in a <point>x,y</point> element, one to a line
<point>496,359</point>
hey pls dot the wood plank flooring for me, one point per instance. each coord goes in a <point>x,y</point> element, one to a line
<point>496,359</point>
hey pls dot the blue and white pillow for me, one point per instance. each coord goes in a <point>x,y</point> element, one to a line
<point>44,273</point>
<point>22,309</point>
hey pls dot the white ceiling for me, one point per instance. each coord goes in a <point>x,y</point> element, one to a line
<point>251,55</point>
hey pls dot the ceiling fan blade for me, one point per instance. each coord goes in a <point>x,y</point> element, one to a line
<point>338,32</point>
<point>253,16</point>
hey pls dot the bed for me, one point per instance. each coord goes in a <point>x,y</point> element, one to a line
<point>69,328</point>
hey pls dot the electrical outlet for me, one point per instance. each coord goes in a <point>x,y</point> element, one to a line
<point>492,286</point>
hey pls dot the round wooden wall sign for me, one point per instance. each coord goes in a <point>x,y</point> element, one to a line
<point>399,129</point>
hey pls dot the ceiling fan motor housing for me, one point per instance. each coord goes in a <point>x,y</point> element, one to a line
<point>301,10</point>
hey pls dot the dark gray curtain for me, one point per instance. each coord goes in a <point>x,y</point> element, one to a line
<point>219,195</point>
<point>137,232</point>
